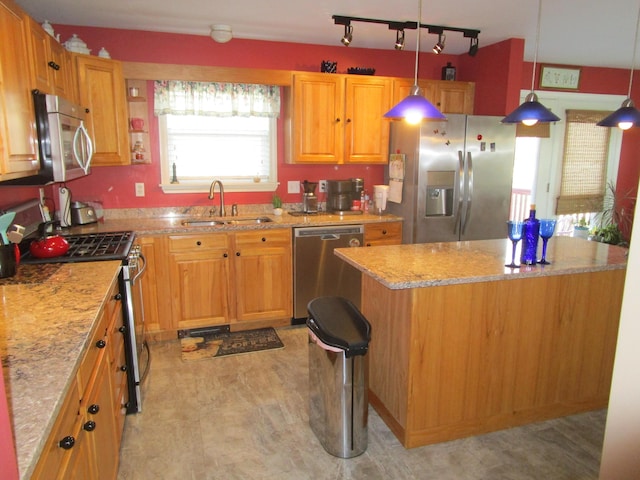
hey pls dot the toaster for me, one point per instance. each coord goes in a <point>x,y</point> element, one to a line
<point>81,214</point>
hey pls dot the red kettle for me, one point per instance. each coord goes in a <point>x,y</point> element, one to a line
<point>48,246</point>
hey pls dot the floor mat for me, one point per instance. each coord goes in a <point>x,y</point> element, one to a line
<point>229,343</point>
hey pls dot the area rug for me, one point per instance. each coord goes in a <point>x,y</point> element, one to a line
<point>229,343</point>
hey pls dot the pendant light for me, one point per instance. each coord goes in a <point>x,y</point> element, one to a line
<point>627,115</point>
<point>531,111</point>
<point>415,108</point>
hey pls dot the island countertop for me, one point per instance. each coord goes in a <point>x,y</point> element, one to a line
<point>431,264</point>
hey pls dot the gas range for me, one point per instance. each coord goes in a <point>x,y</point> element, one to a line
<point>90,247</point>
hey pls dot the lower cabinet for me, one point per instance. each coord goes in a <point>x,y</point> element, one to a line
<point>389,233</point>
<point>85,440</point>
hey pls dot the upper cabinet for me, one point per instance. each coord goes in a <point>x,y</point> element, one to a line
<point>18,151</point>
<point>448,96</point>
<point>52,65</point>
<point>339,119</point>
<point>101,89</point>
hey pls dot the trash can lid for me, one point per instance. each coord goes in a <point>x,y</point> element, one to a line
<point>337,322</point>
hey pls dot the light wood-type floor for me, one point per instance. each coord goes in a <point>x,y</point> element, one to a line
<point>246,417</point>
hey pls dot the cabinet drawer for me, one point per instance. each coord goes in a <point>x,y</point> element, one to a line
<point>97,345</point>
<point>53,456</point>
<point>383,233</point>
<point>194,242</point>
<point>113,300</point>
<point>263,237</point>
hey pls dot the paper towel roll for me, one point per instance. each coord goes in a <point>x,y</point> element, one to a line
<point>380,195</point>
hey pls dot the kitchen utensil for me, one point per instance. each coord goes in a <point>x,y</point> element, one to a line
<point>16,235</point>
<point>48,246</point>
<point>5,223</point>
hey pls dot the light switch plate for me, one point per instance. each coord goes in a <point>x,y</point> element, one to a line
<point>139,189</point>
<point>293,186</point>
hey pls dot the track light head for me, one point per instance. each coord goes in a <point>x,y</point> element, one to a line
<point>439,47</point>
<point>473,47</point>
<point>348,35</point>
<point>399,40</point>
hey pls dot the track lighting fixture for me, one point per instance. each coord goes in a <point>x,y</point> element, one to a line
<point>531,111</point>
<point>400,28</point>
<point>473,47</point>
<point>348,35</point>
<point>415,108</point>
<point>438,47</point>
<point>399,40</point>
<point>627,115</point>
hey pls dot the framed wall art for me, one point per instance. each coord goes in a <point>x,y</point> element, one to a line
<point>557,77</point>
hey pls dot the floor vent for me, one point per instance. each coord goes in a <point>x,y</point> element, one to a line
<point>199,332</point>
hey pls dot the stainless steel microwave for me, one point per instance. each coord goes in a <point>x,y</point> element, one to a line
<point>64,145</point>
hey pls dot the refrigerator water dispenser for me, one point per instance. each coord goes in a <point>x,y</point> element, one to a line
<point>440,188</point>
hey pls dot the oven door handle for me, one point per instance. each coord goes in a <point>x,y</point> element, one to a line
<point>141,269</point>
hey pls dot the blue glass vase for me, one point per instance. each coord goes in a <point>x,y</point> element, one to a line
<point>530,236</point>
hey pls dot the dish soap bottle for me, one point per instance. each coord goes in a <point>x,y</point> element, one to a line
<point>530,235</point>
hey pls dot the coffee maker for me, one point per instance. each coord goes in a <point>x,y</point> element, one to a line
<point>342,193</point>
<point>309,198</point>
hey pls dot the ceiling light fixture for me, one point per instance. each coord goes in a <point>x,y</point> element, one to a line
<point>438,47</point>
<point>473,47</point>
<point>399,40</point>
<point>348,35</point>
<point>531,111</point>
<point>414,108</point>
<point>221,33</point>
<point>627,115</point>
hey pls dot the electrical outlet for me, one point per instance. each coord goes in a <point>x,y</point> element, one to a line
<point>323,185</point>
<point>293,186</point>
<point>139,189</point>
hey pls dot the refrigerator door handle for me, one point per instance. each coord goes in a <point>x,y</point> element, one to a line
<point>469,190</point>
<point>460,192</point>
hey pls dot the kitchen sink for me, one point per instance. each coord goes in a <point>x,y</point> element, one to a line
<point>204,222</point>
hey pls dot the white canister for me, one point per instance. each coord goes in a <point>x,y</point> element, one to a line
<point>380,195</point>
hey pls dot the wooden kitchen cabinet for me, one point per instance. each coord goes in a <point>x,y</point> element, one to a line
<point>18,145</point>
<point>199,277</point>
<point>52,65</point>
<point>101,89</point>
<point>339,119</point>
<point>388,233</point>
<point>447,96</point>
<point>263,275</point>
<point>243,279</point>
<point>85,440</point>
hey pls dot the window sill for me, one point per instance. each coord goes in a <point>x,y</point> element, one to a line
<point>193,187</point>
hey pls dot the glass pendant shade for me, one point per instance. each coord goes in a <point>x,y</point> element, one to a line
<point>414,108</point>
<point>625,117</point>
<point>530,112</point>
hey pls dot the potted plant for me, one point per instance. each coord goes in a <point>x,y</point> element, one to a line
<point>615,219</point>
<point>581,229</point>
<point>276,201</point>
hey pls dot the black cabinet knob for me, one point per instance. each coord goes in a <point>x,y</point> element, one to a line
<point>90,426</point>
<point>122,329</point>
<point>67,442</point>
<point>93,409</point>
<point>264,239</point>
<point>117,296</point>
<point>225,255</point>
<point>123,368</point>
<point>237,254</point>
<point>101,343</point>
<point>198,243</point>
<point>384,232</point>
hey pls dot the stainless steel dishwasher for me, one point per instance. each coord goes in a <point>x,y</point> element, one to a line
<point>317,272</point>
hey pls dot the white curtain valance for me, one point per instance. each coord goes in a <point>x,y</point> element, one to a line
<point>216,99</point>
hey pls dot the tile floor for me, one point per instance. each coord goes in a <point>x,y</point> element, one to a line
<point>245,417</point>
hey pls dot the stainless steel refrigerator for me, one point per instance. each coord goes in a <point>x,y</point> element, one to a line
<point>457,178</point>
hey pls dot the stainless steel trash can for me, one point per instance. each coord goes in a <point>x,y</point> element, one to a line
<point>339,338</point>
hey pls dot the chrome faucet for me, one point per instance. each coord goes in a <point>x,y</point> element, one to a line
<point>211,196</point>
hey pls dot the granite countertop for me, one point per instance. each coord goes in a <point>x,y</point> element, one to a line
<point>432,264</point>
<point>47,314</point>
<point>163,221</point>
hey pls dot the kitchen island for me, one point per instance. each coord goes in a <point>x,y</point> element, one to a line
<point>462,345</point>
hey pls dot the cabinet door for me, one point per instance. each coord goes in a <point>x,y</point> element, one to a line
<point>367,99</point>
<point>263,274</point>
<point>101,89</point>
<point>389,233</point>
<point>99,423</point>
<point>63,72</point>
<point>200,292</point>
<point>18,154</point>
<point>451,97</point>
<point>318,119</point>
